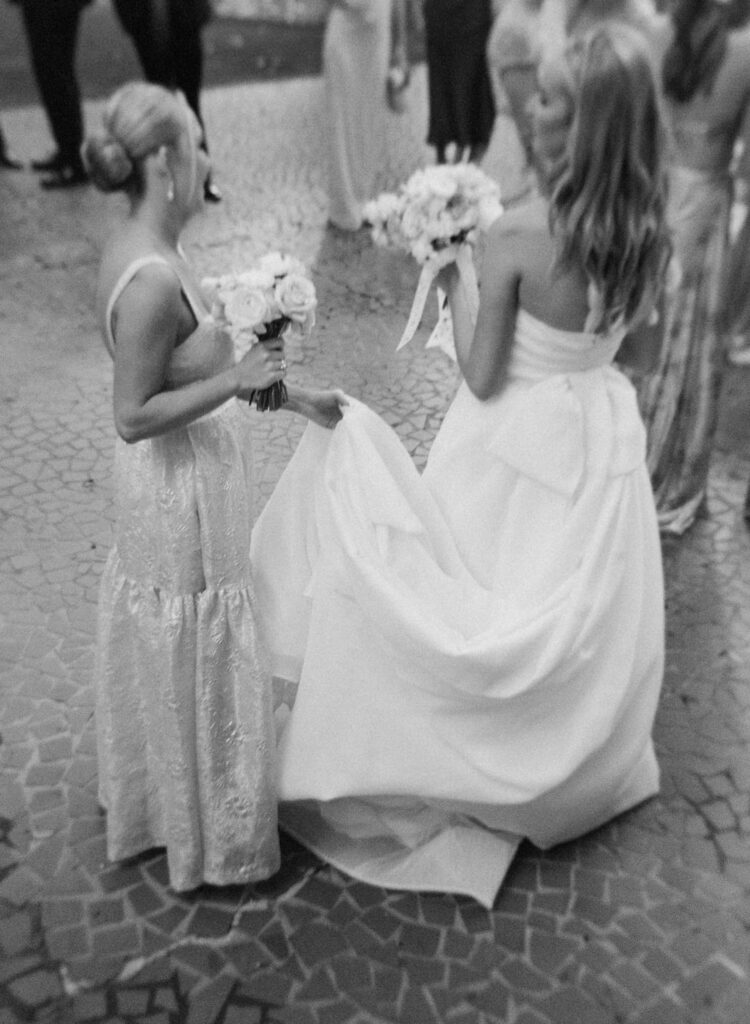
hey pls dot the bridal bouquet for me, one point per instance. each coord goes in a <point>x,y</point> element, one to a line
<point>272,296</point>
<point>436,216</point>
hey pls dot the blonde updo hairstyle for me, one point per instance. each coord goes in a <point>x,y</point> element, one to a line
<point>138,120</point>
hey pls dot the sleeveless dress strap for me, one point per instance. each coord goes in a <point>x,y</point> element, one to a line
<point>197,308</point>
<point>122,282</point>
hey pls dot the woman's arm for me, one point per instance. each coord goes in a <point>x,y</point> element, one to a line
<point>742,167</point>
<point>399,39</point>
<point>641,347</point>
<point>483,350</point>
<point>148,313</point>
<point>322,407</point>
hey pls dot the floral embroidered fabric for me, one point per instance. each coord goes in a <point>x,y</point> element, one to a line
<point>184,718</point>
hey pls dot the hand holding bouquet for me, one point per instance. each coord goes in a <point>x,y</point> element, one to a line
<point>273,296</point>
<point>436,216</point>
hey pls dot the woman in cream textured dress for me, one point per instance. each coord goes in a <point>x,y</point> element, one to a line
<point>479,649</point>
<point>184,724</point>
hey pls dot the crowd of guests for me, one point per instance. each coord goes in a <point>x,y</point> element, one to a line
<point>478,649</point>
<point>167,38</point>
<point>700,51</point>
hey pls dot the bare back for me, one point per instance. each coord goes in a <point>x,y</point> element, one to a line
<point>127,247</point>
<point>558,298</point>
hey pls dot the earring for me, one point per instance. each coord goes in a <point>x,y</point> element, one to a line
<point>170,191</point>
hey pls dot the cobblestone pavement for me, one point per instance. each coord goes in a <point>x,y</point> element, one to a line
<point>644,921</point>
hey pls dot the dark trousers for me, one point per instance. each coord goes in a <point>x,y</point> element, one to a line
<point>170,53</point>
<point>52,34</point>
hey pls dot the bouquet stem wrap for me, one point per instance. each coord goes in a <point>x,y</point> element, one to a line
<point>272,398</point>
<point>442,335</point>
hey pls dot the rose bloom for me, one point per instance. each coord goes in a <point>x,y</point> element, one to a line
<point>280,264</point>
<point>275,263</point>
<point>489,209</point>
<point>388,204</point>
<point>421,249</point>
<point>413,222</point>
<point>295,296</point>
<point>257,278</point>
<point>443,182</point>
<point>246,308</point>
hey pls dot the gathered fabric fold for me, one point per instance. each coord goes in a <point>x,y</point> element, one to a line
<point>478,649</point>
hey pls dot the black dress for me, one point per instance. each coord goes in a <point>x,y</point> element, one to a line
<point>462,108</point>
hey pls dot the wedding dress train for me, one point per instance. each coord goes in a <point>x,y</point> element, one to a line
<point>479,649</point>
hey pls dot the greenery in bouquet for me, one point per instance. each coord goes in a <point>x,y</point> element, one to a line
<point>272,297</point>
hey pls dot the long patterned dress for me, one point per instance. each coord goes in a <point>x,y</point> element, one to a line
<point>184,720</point>
<point>679,402</point>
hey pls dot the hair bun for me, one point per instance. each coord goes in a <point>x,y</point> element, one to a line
<point>107,162</point>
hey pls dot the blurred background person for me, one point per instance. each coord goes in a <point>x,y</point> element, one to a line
<point>736,290</point>
<point>705,72</point>
<point>360,38</point>
<point>523,29</point>
<point>462,105</point>
<point>585,14</point>
<point>167,36</point>
<point>51,28</point>
<point>513,50</point>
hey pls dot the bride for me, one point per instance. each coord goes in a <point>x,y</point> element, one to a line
<point>479,650</point>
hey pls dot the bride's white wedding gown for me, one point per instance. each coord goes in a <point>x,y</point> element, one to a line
<point>479,648</point>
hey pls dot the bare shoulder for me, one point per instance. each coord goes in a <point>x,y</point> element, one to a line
<point>149,305</point>
<point>519,231</point>
<point>528,216</point>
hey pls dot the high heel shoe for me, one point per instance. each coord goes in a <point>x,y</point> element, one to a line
<point>66,176</point>
<point>9,163</point>
<point>52,162</point>
<point>212,193</point>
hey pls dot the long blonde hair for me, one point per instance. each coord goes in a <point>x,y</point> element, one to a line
<point>608,188</point>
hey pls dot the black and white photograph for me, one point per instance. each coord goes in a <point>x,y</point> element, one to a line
<point>375,512</point>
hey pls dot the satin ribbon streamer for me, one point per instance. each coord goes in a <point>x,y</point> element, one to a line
<point>442,334</point>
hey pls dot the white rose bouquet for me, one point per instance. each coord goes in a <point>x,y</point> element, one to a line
<point>437,216</point>
<point>273,296</point>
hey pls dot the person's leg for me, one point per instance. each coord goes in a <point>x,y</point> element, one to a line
<point>186,57</point>
<point>476,152</point>
<point>150,37</point>
<point>439,129</point>
<point>52,32</point>
<point>186,50</point>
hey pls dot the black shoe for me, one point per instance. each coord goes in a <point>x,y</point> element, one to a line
<point>54,162</point>
<point>67,176</point>
<point>9,163</point>
<point>211,193</point>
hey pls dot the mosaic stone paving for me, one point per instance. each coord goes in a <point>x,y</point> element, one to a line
<point>643,922</point>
